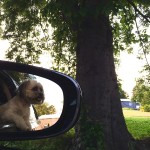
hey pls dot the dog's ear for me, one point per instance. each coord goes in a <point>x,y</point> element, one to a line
<point>22,87</point>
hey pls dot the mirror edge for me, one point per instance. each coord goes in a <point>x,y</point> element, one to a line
<point>72,102</point>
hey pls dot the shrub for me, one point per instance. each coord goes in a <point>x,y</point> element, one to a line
<point>146,108</point>
<point>61,142</point>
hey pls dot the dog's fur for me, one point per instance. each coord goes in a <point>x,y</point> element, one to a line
<point>17,109</point>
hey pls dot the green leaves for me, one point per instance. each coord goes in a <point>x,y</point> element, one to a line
<point>45,109</point>
<point>27,27</point>
<point>141,92</point>
<point>22,22</point>
<point>129,26</point>
<point>91,132</point>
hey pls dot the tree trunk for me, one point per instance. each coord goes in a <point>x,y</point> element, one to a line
<point>103,126</point>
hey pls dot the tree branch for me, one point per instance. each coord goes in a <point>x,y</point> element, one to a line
<point>137,10</point>
<point>144,50</point>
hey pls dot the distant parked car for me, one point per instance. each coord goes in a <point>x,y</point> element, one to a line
<point>138,105</point>
<point>127,103</point>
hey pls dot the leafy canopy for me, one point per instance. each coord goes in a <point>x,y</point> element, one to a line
<point>45,109</point>
<point>141,92</point>
<point>27,26</point>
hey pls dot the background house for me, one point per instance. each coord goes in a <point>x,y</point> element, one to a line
<point>46,121</point>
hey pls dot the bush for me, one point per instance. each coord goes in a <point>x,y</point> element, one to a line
<point>61,142</point>
<point>146,108</point>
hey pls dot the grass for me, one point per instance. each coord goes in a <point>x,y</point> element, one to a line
<point>135,113</point>
<point>138,123</point>
<point>139,127</point>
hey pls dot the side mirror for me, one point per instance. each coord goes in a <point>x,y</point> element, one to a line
<point>59,90</point>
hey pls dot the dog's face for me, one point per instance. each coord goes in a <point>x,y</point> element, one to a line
<point>32,92</point>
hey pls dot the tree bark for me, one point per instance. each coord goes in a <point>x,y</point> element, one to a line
<point>97,78</point>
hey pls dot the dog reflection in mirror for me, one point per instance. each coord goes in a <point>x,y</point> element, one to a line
<point>17,110</point>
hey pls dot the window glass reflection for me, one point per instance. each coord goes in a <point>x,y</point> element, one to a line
<point>28,102</point>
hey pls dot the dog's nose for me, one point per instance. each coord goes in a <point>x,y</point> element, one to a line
<point>40,95</point>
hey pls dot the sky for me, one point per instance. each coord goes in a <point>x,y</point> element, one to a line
<point>128,70</point>
<point>53,93</point>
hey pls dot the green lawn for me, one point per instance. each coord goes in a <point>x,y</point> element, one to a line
<point>138,127</point>
<point>138,123</point>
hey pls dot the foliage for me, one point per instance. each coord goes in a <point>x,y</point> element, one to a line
<point>56,143</point>
<point>22,28</point>
<point>92,135</point>
<point>24,21</point>
<point>45,109</point>
<point>91,132</point>
<point>123,94</point>
<point>20,77</point>
<point>146,108</point>
<point>62,142</point>
<point>141,92</point>
<point>27,26</point>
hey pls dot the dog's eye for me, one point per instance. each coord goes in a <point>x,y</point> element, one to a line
<point>41,89</point>
<point>35,89</point>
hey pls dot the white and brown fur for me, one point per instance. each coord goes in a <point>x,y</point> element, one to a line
<point>17,109</point>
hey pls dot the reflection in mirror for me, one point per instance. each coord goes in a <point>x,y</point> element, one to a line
<point>28,102</point>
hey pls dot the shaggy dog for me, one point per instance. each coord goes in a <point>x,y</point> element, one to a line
<point>17,109</point>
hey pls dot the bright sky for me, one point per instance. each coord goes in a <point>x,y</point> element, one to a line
<point>130,68</point>
<point>129,71</point>
<point>53,93</point>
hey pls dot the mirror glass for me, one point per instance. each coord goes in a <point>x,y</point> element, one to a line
<point>28,102</point>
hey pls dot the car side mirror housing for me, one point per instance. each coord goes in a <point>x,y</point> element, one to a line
<point>71,98</point>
